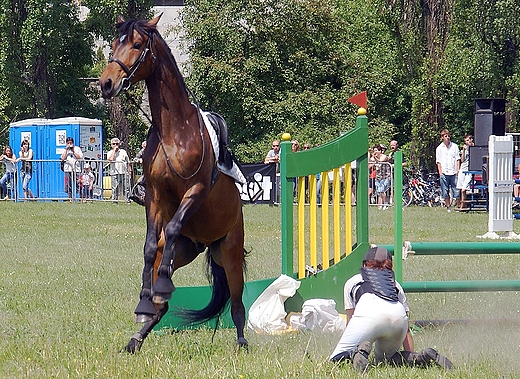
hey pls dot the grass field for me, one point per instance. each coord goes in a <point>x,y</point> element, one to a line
<point>70,280</point>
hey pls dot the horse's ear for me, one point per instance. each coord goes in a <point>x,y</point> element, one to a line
<point>120,19</point>
<point>154,21</point>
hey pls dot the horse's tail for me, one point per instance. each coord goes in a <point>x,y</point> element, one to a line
<point>219,298</point>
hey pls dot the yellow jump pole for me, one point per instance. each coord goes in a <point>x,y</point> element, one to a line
<point>325,253</point>
<point>348,208</point>
<point>301,227</point>
<point>336,195</point>
<point>313,240</point>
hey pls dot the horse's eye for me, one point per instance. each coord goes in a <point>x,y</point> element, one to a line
<point>136,46</point>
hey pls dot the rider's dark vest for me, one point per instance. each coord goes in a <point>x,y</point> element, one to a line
<point>379,282</point>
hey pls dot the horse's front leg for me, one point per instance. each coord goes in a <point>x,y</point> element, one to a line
<point>137,339</point>
<point>152,252</point>
<point>163,286</point>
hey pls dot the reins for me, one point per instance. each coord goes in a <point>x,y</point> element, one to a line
<point>127,83</point>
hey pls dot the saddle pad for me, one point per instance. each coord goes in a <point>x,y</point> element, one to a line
<point>234,171</point>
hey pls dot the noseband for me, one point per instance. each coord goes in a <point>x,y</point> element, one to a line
<point>126,82</point>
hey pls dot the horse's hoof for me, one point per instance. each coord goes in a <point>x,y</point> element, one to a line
<point>145,308</point>
<point>242,343</point>
<point>133,346</point>
<point>142,318</point>
<point>163,287</point>
<point>161,298</point>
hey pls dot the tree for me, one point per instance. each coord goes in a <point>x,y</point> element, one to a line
<point>269,67</point>
<point>45,55</point>
<point>462,50</point>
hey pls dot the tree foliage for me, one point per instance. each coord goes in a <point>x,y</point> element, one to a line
<point>290,65</point>
<point>269,67</point>
<point>45,54</point>
<point>280,66</point>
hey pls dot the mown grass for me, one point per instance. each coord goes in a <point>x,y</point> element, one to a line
<point>70,279</point>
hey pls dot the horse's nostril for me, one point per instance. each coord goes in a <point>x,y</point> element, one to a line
<point>107,85</point>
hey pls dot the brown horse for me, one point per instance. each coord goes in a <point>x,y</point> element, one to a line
<point>190,206</point>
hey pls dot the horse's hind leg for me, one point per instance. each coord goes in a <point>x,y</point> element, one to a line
<point>185,251</point>
<point>232,256</point>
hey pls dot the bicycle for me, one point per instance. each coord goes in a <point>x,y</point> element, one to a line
<point>419,191</point>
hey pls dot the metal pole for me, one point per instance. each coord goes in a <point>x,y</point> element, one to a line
<point>462,286</point>
<point>287,210</point>
<point>398,214</point>
<point>464,248</point>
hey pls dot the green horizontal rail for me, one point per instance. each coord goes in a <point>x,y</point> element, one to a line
<point>465,248</point>
<point>462,286</point>
<point>461,248</point>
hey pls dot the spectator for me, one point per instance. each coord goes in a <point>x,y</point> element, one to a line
<point>516,187</point>
<point>382,179</point>
<point>9,159</point>
<point>377,313</point>
<point>119,169</point>
<point>139,156</point>
<point>295,146</point>
<point>273,156</point>
<point>139,190</point>
<point>70,157</point>
<point>87,183</point>
<point>394,146</point>
<point>447,158</point>
<point>140,184</point>
<point>306,146</point>
<point>463,179</point>
<point>371,177</point>
<point>26,156</point>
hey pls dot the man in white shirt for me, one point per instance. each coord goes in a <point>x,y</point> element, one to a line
<point>118,169</point>
<point>447,157</point>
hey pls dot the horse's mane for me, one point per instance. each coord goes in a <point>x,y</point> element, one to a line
<point>142,27</point>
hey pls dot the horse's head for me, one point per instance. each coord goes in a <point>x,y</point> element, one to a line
<point>132,59</point>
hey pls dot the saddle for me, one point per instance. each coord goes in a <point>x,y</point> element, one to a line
<point>219,125</point>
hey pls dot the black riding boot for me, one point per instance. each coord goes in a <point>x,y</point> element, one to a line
<point>426,357</point>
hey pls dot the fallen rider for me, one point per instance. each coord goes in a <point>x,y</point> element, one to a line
<point>377,314</point>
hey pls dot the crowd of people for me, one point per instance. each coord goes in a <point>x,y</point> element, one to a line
<point>452,166</point>
<point>78,175</point>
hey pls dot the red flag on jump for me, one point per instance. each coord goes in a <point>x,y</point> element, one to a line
<point>360,99</point>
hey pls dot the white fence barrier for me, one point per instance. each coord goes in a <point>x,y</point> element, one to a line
<point>500,188</point>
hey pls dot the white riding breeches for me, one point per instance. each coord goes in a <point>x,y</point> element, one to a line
<point>379,321</point>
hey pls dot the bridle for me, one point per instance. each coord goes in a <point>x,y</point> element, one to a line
<point>126,82</point>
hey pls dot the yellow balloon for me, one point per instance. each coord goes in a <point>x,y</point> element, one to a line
<point>286,137</point>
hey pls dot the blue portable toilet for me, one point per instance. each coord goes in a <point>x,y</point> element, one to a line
<point>87,134</point>
<point>28,130</point>
<point>49,143</point>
